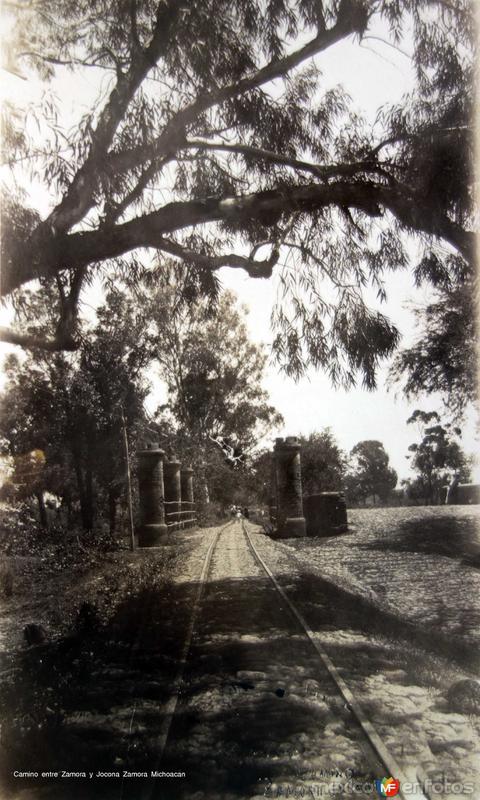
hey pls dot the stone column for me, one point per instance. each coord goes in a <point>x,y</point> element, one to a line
<point>186,482</point>
<point>290,519</point>
<point>150,484</point>
<point>173,493</point>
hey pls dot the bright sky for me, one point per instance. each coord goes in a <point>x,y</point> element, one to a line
<point>374,74</point>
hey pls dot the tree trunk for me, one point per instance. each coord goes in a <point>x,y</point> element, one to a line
<point>85,493</point>
<point>112,511</point>
<point>89,499</point>
<point>430,490</point>
<point>68,503</point>
<point>86,511</point>
<point>203,493</point>
<point>41,509</point>
<point>81,248</point>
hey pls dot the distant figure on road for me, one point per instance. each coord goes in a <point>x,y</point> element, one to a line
<point>452,491</point>
<point>246,513</point>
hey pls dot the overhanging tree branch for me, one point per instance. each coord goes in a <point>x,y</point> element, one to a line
<point>74,250</point>
<point>50,59</point>
<point>32,341</point>
<point>171,138</point>
<point>79,196</point>
<point>319,170</point>
<point>256,269</point>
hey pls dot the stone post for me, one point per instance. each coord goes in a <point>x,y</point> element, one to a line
<point>150,484</point>
<point>290,519</point>
<point>186,482</point>
<point>173,493</point>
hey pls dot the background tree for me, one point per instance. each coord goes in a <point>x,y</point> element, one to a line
<point>29,478</point>
<point>212,370</point>
<point>180,154</point>
<point>31,429</point>
<point>437,457</point>
<point>323,463</point>
<point>109,380</point>
<point>213,375</point>
<point>369,473</point>
<point>259,478</point>
<point>444,358</point>
<point>68,407</point>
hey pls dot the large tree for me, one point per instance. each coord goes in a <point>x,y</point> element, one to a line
<point>213,371</point>
<point>370,474</point>
<point>214,141</point>
<point>323,463</point>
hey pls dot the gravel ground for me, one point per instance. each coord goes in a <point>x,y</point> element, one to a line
<point>91,698</point>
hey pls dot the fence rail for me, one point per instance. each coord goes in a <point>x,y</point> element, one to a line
<point>182,516</point>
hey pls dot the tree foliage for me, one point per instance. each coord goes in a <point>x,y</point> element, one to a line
<point>213,140</point>
<point>212,370</point>
<point>444,357</point>
<point>213,374</point>
<point>69,406</point>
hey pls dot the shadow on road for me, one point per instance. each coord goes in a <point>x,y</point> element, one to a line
<point>91,701</point>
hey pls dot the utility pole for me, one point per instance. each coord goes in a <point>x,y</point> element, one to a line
<point>129,482</point>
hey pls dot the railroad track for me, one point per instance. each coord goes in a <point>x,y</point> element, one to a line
<point>374,743</point>
<point>169,709</point>
<point>267,586</point>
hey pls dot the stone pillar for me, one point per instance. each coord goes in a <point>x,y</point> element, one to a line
<point>150,484</point>
<point>186,482</point>
<point>290,519</point>
<point>173,493</point>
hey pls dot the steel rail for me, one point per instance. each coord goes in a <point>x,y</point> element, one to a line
<point>170,708</point>
<point>388,761</point>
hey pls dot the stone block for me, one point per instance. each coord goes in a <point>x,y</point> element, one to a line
<point>326,514</point>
